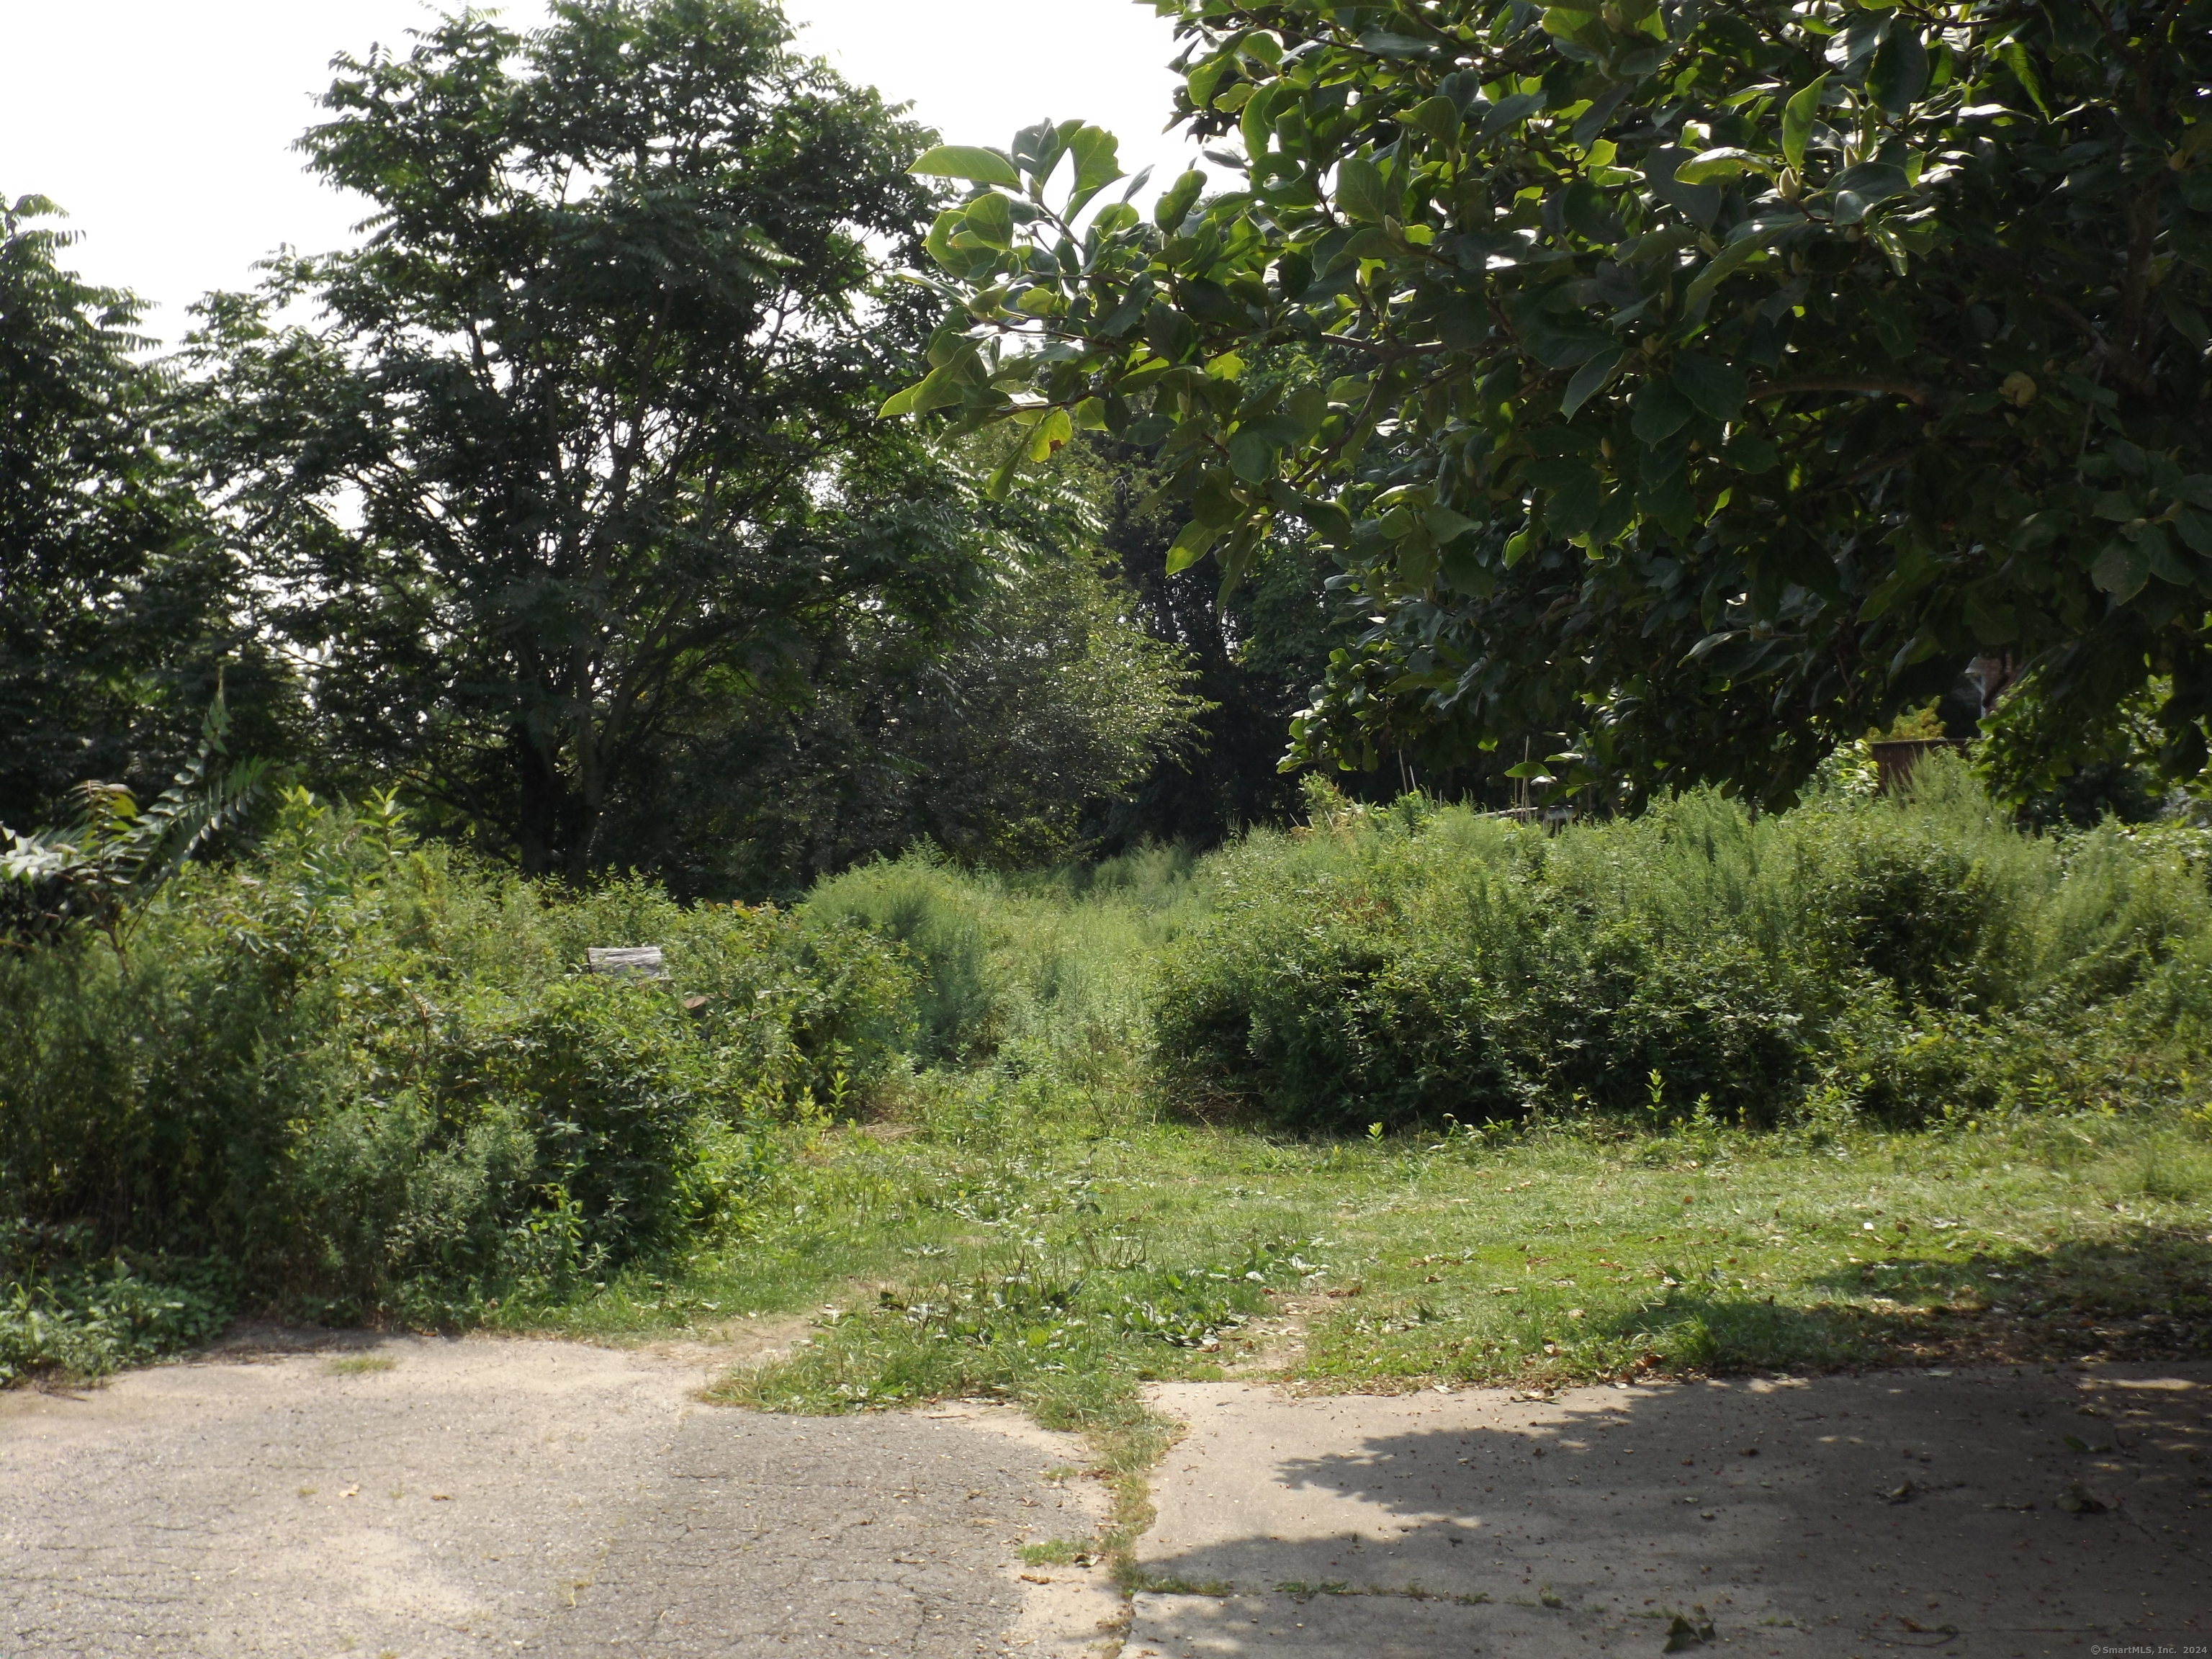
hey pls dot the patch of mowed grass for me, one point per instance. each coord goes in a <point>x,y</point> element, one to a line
<point>1060,1264</point>
<point>1575,1258</point>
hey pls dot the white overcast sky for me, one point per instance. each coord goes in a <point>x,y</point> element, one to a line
<point>164,127</point>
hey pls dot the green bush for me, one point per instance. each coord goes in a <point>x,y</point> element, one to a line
<point>90,1317</point>
<point>375,1080</point>
<point>1918,955</point>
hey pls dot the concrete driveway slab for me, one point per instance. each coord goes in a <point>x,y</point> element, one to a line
<point>428,1499</point>
<point>1996,1512</point>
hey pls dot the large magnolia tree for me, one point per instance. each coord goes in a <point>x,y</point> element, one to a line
<point>1700,381</point>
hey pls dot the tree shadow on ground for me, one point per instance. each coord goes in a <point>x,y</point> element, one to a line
<point>2145,1296</point>
<point>2032,1500</point>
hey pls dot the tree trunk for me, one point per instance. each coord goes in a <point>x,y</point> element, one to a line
<point>539,841</point>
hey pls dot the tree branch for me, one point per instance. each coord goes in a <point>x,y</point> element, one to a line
<point>1908,390</point>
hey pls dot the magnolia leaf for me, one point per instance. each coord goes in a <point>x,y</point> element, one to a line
<point>1445,525</point>
<point>1191,545</point>
<point>940,240</point>
<point>1899,74</point>
<point>1252,453</point>
<point>1725,163</point>
<point>1098,164</point>
<point>938,388</point>
<point>1176,200</point>
<point>1360,192</point>
<point>990,220</point>
<point>1716,388</point>
<point>1589,380</point>
<point>1660,412</point>
<point>1438,117</point>
<point>985,166</point>
<point>2014,55</point>
<point>2121,570</point>
<point>1866,185</point>
<point>1797,122</point>
<point>1718,270</point>
<point>1049,435</point>
<point>1002,481</point>
<point>1383,44</point>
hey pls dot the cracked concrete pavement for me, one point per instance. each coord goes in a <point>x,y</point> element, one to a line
<point>420,1499</point>
<point>415,1499</point>
<point>1838,1516</point>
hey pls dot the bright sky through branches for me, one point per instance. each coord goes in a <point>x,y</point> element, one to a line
<point>164,126</point>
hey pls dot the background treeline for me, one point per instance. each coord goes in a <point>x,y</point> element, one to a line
<point>566,511</point>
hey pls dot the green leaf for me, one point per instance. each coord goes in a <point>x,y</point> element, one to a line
<point>940,240</point>
<point>1050,434</point>
<point>990,220</point>
<point>940,386</point>
<point>1576,492</point>
<point>1438,117</point>
<point>1191,545</point>
<point>1098,163</point>
<point>1176,202</point>
<point>1384,44</point>
<point>1255,445</point>
<point>1797,115</point>
<point>1660,412</point>
<point>1716,388</point>
<point>2014,56</point>
<point>2121,569</point>
<point>2194,527</point>
<point>2187,320</point>
<point>1589,380</point>
<point>1360,192</point>
<point>985,166</point>
<point>1899,74</point>
<point>1724,163</point>
<point>1446,525</point>
<point>1866,185</point>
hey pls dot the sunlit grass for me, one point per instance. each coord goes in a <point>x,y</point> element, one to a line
<point>1034,1248</point>
<point>954,1262</point>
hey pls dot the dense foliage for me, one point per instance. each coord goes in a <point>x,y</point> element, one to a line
<point>991,733</point>
<point>577,447</point>
<point>1912,959</point>
<point>116,601</point>
<point>370,1078</point>
<point>1697,381</point>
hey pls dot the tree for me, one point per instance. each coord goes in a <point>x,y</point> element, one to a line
<point>1258,651</point>
<point>116,601</point>
<point>582,437</point>
<point>1703,381</point>
<point>995,733</point>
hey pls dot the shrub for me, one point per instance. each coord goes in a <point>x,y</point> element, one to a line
<point>374,1077</point>
<point>1921,955</point>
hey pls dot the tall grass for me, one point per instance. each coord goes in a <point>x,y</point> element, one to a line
<point>1051,970</point>
<point>1910,956</point>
